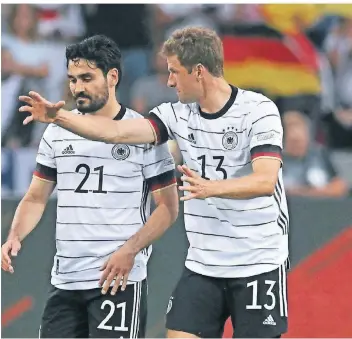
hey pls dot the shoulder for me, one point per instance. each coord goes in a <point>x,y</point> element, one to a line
<point>254,99</point>
<point>258,105</point>
<point>172,108</point>
<point>132,114</point>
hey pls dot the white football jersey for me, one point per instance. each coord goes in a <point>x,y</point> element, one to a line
<point>230,237</point>
<point>103,198</point>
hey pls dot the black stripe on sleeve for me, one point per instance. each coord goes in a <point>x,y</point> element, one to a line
<point>266,151</point>
<point>159,128</point>
<point>162,180</point>
<point>45,172</point>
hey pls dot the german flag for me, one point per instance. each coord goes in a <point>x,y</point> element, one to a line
<point>261,58</point>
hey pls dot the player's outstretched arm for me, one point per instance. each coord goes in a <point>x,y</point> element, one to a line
<point>260,183</point>
<point>27,216</point>
<point>131,131</point>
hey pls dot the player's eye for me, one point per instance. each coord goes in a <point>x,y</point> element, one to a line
<point>87,79</point>
<point>72,80</point>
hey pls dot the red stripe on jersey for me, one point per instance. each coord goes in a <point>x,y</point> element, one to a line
<point>163,185</point>
<point>266,154</point>
<point>43,176</point>
<point>156,130</point>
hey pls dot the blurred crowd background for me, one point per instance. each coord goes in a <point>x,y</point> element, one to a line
<point>298,55</point>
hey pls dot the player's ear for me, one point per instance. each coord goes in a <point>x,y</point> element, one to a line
<point>199,71</point>
<point>113,77</point>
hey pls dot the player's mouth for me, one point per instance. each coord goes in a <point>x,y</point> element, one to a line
<point>81,99</point>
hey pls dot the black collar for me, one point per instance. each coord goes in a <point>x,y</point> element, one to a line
<point>227,106</point>
<point>121,113</point>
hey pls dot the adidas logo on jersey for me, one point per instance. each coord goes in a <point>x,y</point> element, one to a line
<point>191,138</point>
<point>269,321</point>
<point>68,150</point>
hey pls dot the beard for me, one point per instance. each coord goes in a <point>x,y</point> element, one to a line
<point>92,103</point>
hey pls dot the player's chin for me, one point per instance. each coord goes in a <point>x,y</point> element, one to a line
<point>184,100</point>
<point>84,108</point>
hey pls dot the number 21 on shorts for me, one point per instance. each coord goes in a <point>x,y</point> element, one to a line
<point>122,306</point>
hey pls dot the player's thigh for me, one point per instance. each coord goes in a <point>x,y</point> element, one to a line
<point>197,307</point>
<point>258,305</point>
<point>64,315</point>
<point>122,315</point>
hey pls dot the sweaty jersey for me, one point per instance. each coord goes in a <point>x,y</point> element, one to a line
<point>103,198</point>
<point>229,237</point>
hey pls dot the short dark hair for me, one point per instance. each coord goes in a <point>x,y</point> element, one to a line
<point>100,49</point>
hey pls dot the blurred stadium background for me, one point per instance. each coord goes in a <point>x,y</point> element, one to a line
<point>298,55</point>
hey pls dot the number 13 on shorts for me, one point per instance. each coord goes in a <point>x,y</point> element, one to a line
<point>265,293</point>
<point>254,305</point>
<point>262,305</point>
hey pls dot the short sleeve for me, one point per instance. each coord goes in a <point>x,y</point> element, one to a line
<point>45,155</point>
<point>265,131</point>
<point>46,163</point>
<point>163,119</point>
<point>159,166</point>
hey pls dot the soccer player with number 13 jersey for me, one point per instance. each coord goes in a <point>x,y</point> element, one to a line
<point>236,214</point>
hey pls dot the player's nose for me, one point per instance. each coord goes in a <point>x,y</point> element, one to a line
<point>171,82</point>
<point>79,87</point>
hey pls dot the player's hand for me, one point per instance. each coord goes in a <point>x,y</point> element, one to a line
<point>10,248</point>
<point>198,187</point>
<point>117,268</point>
<point>40,109</point>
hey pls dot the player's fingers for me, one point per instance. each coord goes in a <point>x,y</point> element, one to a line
<point>124,281</point>
<point>26,109</point>
<point>117,284</point>
<point>4,266</point>
<point>191,180</point>
<point>28,120</point>
<point>189,172</point>
<point>60,104</point>
<point>36,96</point>
<point>4,263</point>
<point>188,197</point>
<point>108,282</point>
<point>15,248</point>
<point>26,99</point>
<point>180,169</point>
<point>188,188</point>
<point>104,276</point>
<point>5,254</point>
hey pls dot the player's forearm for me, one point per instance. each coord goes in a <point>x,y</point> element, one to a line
<point>27,216</point>
<point>251,186</point>
<point>131,131</point>
<point>160,220</point>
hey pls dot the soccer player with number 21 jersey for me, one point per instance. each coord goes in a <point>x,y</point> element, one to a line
<point>104,229</point>
<point>235,208</point>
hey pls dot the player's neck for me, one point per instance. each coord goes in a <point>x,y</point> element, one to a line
<point>110,110</point>
<point>216,94</point>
